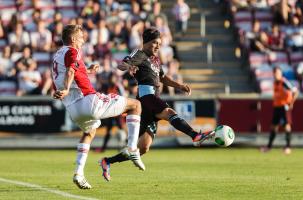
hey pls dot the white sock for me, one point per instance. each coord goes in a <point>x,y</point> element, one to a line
<point>133,127</point>
<point>82,150</point>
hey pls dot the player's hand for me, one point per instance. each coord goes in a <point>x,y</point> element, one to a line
<point>132,69</point>
<point>186,88</point>
<point>93,68</point>
<point>291,105</point>
<point>60,94</point>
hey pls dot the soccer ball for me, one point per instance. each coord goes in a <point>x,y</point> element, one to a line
<point>224,135</point>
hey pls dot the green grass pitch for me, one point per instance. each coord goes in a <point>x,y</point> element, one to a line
<point>216,173</point>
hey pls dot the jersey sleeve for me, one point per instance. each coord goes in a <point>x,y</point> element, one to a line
<point>134,58</point>
<point>288,86</point>
<point>70,59</point>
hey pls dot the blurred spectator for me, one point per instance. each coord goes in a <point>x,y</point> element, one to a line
<point>146,5</point>
<point>24,61</point>
<point>36,17</point>
<point>181,12</point>
<point>19,38</point>
<point>118,38</point>
<point>249,36</point>
<point>2,31</point>
<point>100,34</point>
<point>135,15</point>
<point>173,73</point>
<point>56,19</point>
<point>87,49</point>
<point>56,36</point>
<point>135,39</point>
<point>155,13</point>
<point>88,8</point>
<point>166,51</point>
<point>46,84</point>
<point>29,80</point>
<point>107,69</point>
<point>42,38</point>
<point>110,7</point>
<point>92,19</point>
<point>12,23</point>
<point>6,64</point>
<point>276,38</point>
<point>236,5</point>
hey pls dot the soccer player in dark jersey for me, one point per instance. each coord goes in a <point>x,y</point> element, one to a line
<point>146,68</point>
<point>284,98</point>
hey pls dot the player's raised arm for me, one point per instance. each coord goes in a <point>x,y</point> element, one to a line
<point>169,82</point>
<point>93,68</point>
<point>69,77</point>
<point>123,66</point>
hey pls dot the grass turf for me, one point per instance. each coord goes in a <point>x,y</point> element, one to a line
<point>229,173</point>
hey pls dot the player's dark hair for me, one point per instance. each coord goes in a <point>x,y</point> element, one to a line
<point>150,34</point>
<point>68,31</point>
<point>276,68</point>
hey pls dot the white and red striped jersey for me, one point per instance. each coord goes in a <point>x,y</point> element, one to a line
<point>64,58</point>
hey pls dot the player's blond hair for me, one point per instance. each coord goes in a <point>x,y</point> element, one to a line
<point>68,31</point>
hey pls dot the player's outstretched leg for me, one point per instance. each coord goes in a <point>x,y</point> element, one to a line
<point>133,125</point>
<point>144,144</point>
<point>201,137</point>
<point>105,165</point>
<point>180,124</point>
<point>83,149</point>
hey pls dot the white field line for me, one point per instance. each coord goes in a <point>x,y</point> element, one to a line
<point>58,192</point>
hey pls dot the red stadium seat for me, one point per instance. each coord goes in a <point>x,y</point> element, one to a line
<point>243,16</point>
<point>266,86</point>
<point>263,16</point>
<point>296,57</point>
<point>8,87</point>
<point>6,4</point>
<point>278,57</point>
<point>256,59</point>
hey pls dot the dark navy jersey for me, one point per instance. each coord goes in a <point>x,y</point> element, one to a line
<point>150,69</point>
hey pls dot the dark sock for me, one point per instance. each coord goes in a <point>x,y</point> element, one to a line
<point>288,138</point>
<point>106,139</point>
<point>117,158</point>
<point>271,138</point>
<point>181,125</point>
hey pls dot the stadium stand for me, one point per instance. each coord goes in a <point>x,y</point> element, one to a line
<point>271,34</point>
<point>206,54</point>
<point>113,29</point>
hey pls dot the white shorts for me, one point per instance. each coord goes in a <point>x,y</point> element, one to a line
<point>88,111</point>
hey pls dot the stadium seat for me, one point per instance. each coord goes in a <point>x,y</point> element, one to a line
<point>15,56</point>
<point>8,88</point>
<point>67,4</point>
<point>244,26</point>
<point>256,59</point>
<point>263,16</point>
<point>6,5</point>
<point>2,43</point>
<point>42,58</point>
<point>266,86</point>
<point>278,57</point>
<point>296,57</point>
<point>243,16</point>
<point>264,72</point>
<point>7,13</point>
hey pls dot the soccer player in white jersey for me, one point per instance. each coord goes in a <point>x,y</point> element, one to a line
<point>85,106</point>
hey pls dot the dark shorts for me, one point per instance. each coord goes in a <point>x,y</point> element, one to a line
<point>151,105</point>
<point>281,116</point>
